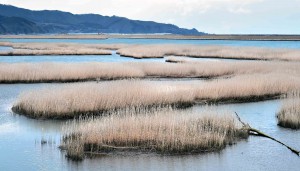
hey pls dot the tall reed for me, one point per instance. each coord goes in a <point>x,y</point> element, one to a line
<point>289,114</point>
<point>163,131</point>
<point>66,102</point>
<point>205,51</point>
<point>69,101</point>
<point>22,49</point>
<point>63,72</point>
<point>154,51</point>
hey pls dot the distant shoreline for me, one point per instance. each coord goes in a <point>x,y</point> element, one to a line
<point>158,36</point>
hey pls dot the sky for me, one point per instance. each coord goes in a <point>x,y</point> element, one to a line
<point>210,16</point>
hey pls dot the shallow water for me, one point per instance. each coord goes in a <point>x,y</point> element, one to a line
<point>75,58</point>
<point>116,58</point>
<point>20,137</point>
<point>5,48</point>
<point>93,58</point>
<point>271,44</point>
<point>21,148</point>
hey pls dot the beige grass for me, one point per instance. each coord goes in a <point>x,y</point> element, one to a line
<point>245,88</point>
<point>58,36</point>
<point>47,72</point>
<point>156,36</point>
<point>66,102</point>
<point>254,53</point>
<point>63,46</point>
<point>163,131</point>
<point>156,51</point>
<point>27,52</point>
<point>289,114</point>
<point>58,49</point>
<point>63,72</point>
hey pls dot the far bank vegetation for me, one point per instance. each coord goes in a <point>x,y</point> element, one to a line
<point>153,51</point>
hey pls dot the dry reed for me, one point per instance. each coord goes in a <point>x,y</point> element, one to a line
<point>156,36</point>
<point>94,98</point>
<point>54,52</point>
<point>162,131</point>
<point>155,51</point>
<point>289,114</point>
<point>21,49</point>
<point>246,88</point>
<point>66,72</point>
<point>66,102</point>
<point>63,46</point>
<point>205,51</point>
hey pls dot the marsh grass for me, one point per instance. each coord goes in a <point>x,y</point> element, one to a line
<point>228,52</point>
<point>164,131</point>
<point>66,102</point>
<point>65,72</point>
<point>153,51</point>
<point>156,36</point>
<point>54,52</point>
<point>72,72</point>
<point>289,114</point>
<point>33,49</point>
<point>69,101</point>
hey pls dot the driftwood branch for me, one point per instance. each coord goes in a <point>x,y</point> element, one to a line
<point>256,132</point>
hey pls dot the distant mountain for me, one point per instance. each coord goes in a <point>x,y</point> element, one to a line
<point>17,25</point>
<point>14,20</point>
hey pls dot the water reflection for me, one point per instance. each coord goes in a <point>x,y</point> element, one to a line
<point>76,58</point>
<point>271,44</point>
<point>5,48</point>
<point>21,148</point>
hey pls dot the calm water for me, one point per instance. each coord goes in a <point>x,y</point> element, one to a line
<point>116,58</point>
<point>20,137</point>
<point>21,148</point>
<point>75,58</point>
<point>272,44</point>
<point>5,48</point>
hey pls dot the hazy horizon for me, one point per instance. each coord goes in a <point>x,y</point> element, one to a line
<point>210,16</point>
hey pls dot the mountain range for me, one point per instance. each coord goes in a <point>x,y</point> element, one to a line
<point>14,20</point>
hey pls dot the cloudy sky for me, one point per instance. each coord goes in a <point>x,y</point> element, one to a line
<point>211,16</point>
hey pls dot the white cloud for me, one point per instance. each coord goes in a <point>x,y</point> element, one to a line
<point>217,16</point>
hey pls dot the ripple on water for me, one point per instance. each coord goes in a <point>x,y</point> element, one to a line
<point>21,148</point>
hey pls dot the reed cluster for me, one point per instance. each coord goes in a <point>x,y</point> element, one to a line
<point>69,101</point>
<point>23,49</point>
<point>289,114</point>
<point>154,51</point>
<point>66,102</point>
<point>71,72</point>
<point>163,131</point>
<point>246,88</point>
<point>157,36</point>
<point>62,46</point>
<point>205,51</point>
<point>29,52</point>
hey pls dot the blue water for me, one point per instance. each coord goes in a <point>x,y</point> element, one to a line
<point>21,148</point>
<point>75,58</point>
<point>116,58</point>
<point>270,44</point>
<point>20,137</point>
<point>5,48</point>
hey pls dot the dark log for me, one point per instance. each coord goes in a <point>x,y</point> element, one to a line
<point>256,132</point>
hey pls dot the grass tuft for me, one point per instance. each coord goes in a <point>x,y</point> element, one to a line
<point>65,101</point>
<point>289,114</point>
<point>164,131</point>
